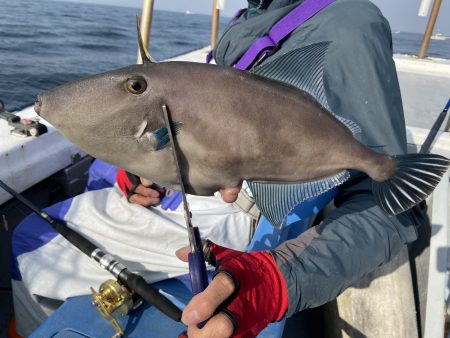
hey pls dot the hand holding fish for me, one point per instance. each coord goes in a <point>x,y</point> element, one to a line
<point>138,190</point>
<point>236,301</point>
<point>144,195</point>
<point>230,195</point>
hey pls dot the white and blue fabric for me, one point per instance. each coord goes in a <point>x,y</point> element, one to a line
<point>46,267</point>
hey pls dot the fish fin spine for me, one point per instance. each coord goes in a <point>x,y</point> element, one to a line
<point>415,178</point>
<point>145,55</point>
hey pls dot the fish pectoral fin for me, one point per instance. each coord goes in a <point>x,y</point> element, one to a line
<point>158,139</point>
<point>277,200</point>
<point>303,69</point>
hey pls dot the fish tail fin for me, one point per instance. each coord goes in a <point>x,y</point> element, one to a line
<point>413,180</point>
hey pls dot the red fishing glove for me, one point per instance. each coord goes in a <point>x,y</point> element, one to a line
<point>261,294</point>
<point>127,182</point>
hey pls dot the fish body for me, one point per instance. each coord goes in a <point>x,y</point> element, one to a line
<point>231,126</point>
<point>228,133</point>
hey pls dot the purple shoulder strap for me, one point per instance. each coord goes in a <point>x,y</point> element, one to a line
<point>236,16</point>
<point>266,44</point>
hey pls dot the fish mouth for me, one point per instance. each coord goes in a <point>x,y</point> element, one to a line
<point>38,105</point>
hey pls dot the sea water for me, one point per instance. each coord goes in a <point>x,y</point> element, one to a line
<point>44,43</point>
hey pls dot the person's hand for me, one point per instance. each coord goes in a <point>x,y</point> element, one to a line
<point>230,195</point>
<point>247,293</point>
<point>144,194</point>
<point>137,190</point>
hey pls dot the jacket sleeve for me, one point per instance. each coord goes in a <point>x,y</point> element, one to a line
<point>356,237</point>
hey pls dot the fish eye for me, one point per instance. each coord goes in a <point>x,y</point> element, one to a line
<point>136,85</point>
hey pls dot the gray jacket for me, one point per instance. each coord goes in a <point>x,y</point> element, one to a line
<point>361,84</point>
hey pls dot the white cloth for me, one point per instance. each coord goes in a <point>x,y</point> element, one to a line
<point>144,239</point>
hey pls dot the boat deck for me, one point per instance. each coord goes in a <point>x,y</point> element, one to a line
<point>425,88</point>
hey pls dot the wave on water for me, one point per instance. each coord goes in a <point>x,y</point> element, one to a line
<point>410,43</point>
<point>57,42</point>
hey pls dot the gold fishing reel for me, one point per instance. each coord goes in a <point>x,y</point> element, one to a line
<point>113,300</point>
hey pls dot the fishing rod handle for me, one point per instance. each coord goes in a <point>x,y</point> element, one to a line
<point>197,268</point>
<point>77,240</point>
<point>150,294</point>
<point>197,265</point>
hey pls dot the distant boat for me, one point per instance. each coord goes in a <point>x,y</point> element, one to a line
<point>188,12</point>
<point>439,36</point>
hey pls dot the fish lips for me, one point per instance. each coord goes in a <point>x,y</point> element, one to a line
<point>38,105</point>
<point>44,108</point>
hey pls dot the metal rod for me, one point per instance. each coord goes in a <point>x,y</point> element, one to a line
<point>187,215</point>
<point>146,25</point>
<point>429,29</point>
<point>214,24</point>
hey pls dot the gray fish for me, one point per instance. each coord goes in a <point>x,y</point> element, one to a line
<point>271,127</point>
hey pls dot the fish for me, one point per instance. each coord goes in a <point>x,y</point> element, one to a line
<point>271,127</point>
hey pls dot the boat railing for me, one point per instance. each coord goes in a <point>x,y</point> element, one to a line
<point>437,284</point>
<point>147,18</point>
<point>430,26</point>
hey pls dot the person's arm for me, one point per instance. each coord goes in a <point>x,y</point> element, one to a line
<point>261,287</point>
<point>352,241</point>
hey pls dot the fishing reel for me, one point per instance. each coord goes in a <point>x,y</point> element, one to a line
<point>114,300</point>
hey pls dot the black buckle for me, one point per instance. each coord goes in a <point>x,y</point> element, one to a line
<point>264,55</point>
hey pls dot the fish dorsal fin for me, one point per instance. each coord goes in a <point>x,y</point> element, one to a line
<point>277,200</point>
<point>145,55</point>
<point>303,69</point>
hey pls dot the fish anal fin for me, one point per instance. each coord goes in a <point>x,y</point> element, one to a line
<point>277,200</point>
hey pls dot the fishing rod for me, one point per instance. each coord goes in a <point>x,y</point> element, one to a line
<point>426,146</point>
<point>133,281</point>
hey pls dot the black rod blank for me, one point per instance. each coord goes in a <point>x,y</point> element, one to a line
<point>426,146</point>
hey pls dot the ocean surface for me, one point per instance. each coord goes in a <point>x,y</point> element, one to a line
<point>44,43</point>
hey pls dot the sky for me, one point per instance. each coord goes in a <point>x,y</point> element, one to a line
<point>402,14</point>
